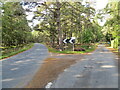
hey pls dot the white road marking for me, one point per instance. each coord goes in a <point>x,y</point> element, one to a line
<point>78,76</point>
<point>108,66</point>
<point>14,69</point>
<point>65,70</point>
<point>7,80</point>
<point>49,85</point>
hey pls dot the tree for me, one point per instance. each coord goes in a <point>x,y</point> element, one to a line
<point>15,29</point>
<point>111,27</point>
<point>67,19</point>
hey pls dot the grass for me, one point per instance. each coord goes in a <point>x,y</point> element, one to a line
<point>93,47</point>
<point>14,50</point>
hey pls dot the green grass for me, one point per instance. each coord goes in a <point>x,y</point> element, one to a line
<point>13,51</point>
<point>93,47</point>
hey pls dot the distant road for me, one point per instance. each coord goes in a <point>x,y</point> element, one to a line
<point>97,70</point>
<point>18,70</point>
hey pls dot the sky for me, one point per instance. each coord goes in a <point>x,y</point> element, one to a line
<point>100,4</point>
<point>97,4</point>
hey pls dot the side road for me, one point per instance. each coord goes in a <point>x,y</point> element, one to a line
<point>97,70</point>
<point>18,70</point>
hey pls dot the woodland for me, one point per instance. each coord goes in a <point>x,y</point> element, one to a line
<point>58,21</point>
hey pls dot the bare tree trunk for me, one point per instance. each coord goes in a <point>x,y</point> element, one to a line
<point>59,26</point>
<point>71,31</point>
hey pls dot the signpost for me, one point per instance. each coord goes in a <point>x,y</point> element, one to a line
<point>71,40</point>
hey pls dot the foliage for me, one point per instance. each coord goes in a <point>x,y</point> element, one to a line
<point>15,30</point>
<point>60,20</point>
<point>67,19</point>
<point>111,28</point>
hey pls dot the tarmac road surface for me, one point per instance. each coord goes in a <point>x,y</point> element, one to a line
<point>96,70</point>
<point>18,70</point>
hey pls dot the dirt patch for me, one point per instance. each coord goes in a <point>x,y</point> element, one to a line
<point>51,68</point>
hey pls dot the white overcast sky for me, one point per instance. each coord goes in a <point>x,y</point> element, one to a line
<point>100,4</point>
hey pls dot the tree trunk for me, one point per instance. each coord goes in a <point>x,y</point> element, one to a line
<point>59,25</point>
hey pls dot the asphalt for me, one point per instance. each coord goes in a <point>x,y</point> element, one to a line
<point>99,69</point>
<point>18,70</point>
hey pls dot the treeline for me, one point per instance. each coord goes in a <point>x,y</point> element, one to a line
<point>15,29</point>
<point>111,29</point>
<point>59,20</point>
<point>62,20</point>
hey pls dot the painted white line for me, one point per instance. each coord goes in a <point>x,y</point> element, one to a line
<point>48,85</point>
<point>78,76</point>
<point>108,66</point>
<point>14,69</point>
<point>4,80</point>
<point>65,70</point>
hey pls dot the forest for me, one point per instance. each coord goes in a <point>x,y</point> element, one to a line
<point>58,21</point>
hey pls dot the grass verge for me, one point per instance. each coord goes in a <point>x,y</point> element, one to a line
<point>13,51</point>
<point>92,48</point>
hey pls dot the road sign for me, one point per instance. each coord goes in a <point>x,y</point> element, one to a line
<point>66,40</point>
<point>71,40</point>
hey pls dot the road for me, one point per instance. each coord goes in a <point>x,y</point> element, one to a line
<point>96,70</point>
<point>18,70</point>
